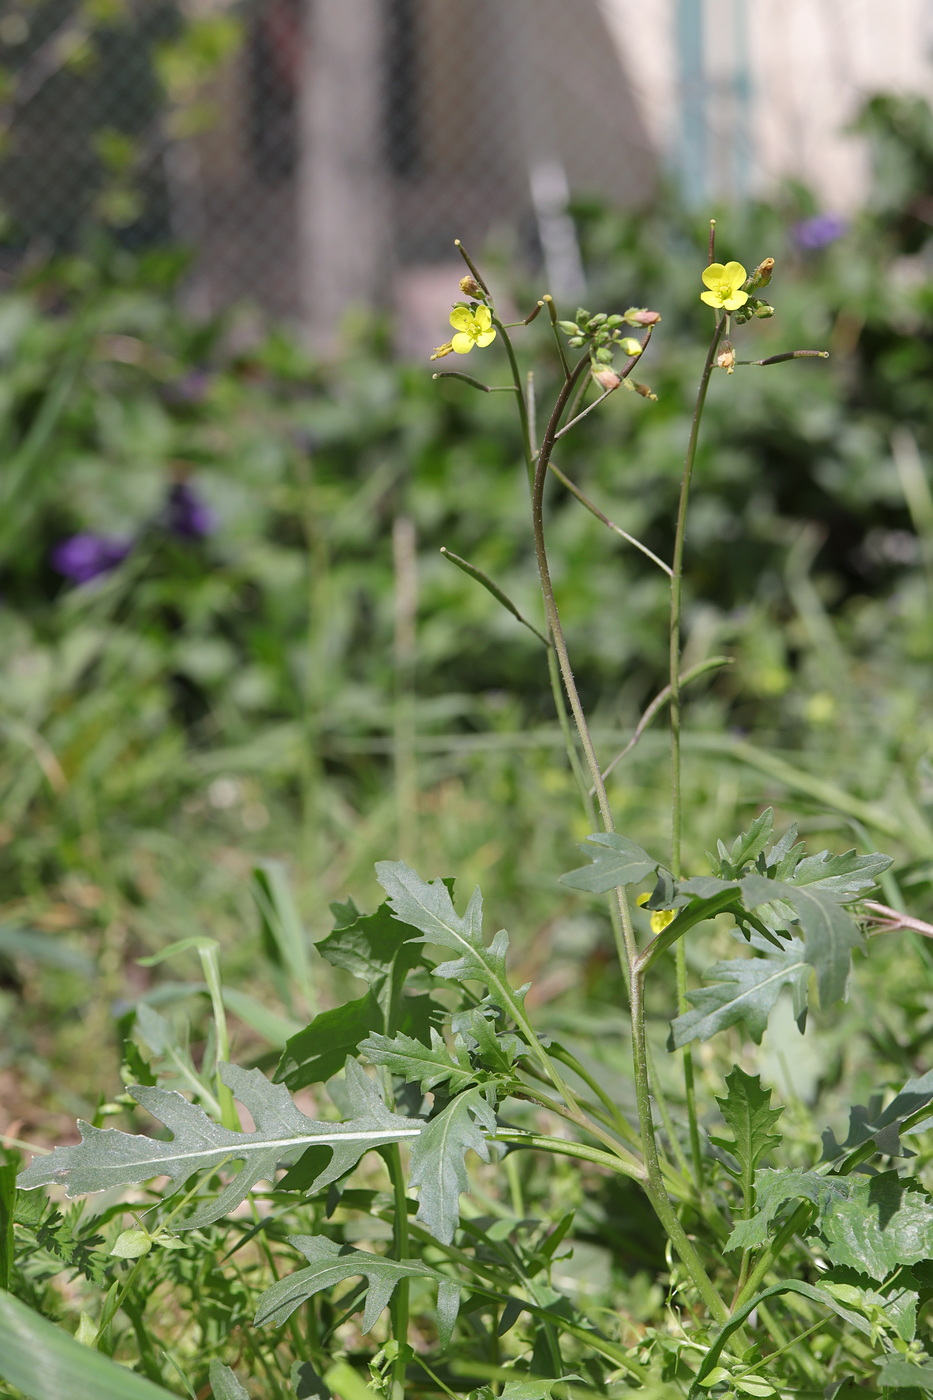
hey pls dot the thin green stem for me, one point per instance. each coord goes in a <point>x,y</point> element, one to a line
<point>677,568</point>
<point>677,571</point>
<point>615,1113</point>
<point>797,1222</point>
<point>552,314</point>
<point>655,1182</point>
<point>583,787</point>
<point>400,1300</point>
<point>474,383</point>
<point>550,604</point>
<point>565,1148</point>
<point>660,700</point>
<point>610,524</point>
<point>522,405</point>
<point>528,430</point>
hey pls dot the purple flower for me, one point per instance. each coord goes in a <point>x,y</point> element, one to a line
<point>186,514</point>
<point>86,556</point>
<point>819,231</point>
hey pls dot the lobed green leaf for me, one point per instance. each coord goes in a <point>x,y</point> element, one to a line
<point>330,1264</point>
<point>744,989</point>
<point>107,1157</point>
<point>617,861</point>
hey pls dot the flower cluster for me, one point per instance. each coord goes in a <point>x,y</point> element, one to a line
<point>604,335</point>
<point>729,287</point>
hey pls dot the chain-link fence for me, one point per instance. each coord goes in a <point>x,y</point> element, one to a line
<point>312,153</point>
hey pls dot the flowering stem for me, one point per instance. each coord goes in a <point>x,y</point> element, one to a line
<point>552,313</point>
<point>677,597</point>
<point>654,1184</point>
<point>517,385</point>
<point>471,265</point>
<point>675,712</point>
<point>528,429</point>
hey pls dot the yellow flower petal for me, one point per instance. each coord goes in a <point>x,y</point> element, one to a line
<point>483,315</point>
<point>734,273</point>
<point>462,344</point>
<point>711,298</point>
<point>460,318</point>
<point>711,276</point>
<point>486,338</point>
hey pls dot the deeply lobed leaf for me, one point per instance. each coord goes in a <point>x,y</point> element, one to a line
<point>330,1264</point>
<point>107,1157</point>
<point>744,989</point>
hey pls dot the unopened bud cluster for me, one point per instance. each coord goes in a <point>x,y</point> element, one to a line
<point>753,308</point>
<point>604,335</point>
<point>603,332</point>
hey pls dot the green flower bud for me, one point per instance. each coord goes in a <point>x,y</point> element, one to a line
<point>604,355</point>
<point>575,342</point>
<point>568,327</point>
<point>641,316</point>
<point>582,316</point>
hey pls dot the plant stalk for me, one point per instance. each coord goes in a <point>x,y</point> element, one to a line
<point>677,573</point>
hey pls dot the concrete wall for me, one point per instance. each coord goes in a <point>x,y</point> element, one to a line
<point>782,79</point>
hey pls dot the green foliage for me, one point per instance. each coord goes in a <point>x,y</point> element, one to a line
<point>44,1363</point>
<point>106,1157</point>
<point>748,1112</point>
<point>621,863</point>
<point>330,1265</point>
<point>745,990</point>
<point>437,1160</point>
<point>573,1232</point>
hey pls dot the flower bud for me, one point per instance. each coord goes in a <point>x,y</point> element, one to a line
<point>470,287</point>
<point>569,327</point>
<point>642,389</point>
<point>761,276</point>
<point>631,346</point>
<point>640,316</point>
<point>726,357</point>
<point>605,377</point>
<point>763,311</point>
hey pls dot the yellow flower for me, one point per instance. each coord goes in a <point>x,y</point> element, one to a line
<point>660,918</point>
<point>473,328</point>
<point>724,286</point>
